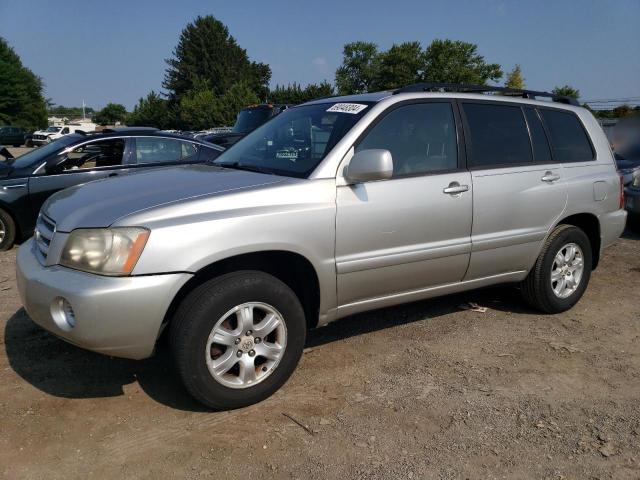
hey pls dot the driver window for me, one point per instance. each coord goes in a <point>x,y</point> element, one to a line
<point>104,153</point>
<point>65,130</point>
<point>421,138</point>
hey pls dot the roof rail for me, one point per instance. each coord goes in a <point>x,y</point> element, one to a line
<point>469,88</point>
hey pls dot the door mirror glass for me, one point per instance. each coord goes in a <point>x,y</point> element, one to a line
<point>370,165</point>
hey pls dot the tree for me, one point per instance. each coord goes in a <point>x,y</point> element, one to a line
<point>567,91</point>
<point>111,114</point>
<point>294,93</point>
<point>364,69</point>
<point>358,69</point>
<point>21,101</point>
<point>454,61</point>
<point>623,111</point>
<point>206,51</point>
<point>152,111</point>
<point>515,79</point>
<point>399,66</point>
<point>200,108</point>
<point>240,95</point>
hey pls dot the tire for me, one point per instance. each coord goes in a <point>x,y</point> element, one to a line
<point>205,307</point>
<point>7,231</point>
<point>538,287</point>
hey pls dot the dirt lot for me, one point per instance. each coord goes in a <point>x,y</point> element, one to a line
<point>426,390</point>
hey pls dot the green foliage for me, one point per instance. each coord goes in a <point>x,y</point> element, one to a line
<point>62,111</point>
<point>454,61</point>
<point>109,115</point>
<point>515,79</point>
<point>567,91</point>
<point>401,65</point>
<point>200,108</point>
<point>21,101</point>
<point>295,94</point>
<point>365,69</point>
<point>151,111</point>
<point>207,52</point>
<point>359,68</point>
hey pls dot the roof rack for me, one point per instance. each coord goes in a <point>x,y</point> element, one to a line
<point>469,88</point>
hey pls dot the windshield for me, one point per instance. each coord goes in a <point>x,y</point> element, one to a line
<point>296,141</point>
<point>53,129</point>
<point>38,155</point>
<point>251,118</point>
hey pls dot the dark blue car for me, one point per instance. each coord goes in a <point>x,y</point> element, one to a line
<point>27,181</point>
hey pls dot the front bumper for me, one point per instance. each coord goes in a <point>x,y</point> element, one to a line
<point>118,316</point>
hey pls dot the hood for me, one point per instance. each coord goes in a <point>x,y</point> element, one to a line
<point>100,203</point>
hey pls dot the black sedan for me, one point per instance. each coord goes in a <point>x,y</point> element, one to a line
<point>27,181</point>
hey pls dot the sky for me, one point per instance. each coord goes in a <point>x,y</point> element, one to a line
<point>114,51</point>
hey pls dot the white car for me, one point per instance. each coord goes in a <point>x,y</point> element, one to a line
<point>42,137</point>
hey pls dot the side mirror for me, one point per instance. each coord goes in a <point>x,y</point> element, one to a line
<point>369,165</point>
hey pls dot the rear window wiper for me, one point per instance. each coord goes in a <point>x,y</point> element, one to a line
<point>244,166</point>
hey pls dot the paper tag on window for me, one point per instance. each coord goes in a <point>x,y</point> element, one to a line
<point>347,108</point>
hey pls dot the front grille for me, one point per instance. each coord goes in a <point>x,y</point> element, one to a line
<point>39,137</point>
<point>45,228</point>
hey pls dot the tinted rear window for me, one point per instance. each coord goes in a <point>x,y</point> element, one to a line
<point>541,149</point>
<point>569,141</point>
<point>498,135</point>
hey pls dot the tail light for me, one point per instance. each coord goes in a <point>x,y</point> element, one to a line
<point>621,192</point>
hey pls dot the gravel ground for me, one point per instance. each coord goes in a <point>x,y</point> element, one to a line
<point>426,390</point>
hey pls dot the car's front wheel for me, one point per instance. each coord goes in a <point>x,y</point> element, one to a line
<point>562,271</point>
<point>236,339</point>
<point>7,231</point>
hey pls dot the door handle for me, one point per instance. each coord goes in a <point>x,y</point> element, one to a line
<point>112,175</point>
<point>455,188</point>
<point>550,177</point>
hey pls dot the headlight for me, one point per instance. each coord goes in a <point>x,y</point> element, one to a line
<point>636,180</point>
<point>105,251</point>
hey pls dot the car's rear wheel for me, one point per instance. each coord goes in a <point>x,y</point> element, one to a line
<point>7,231</point>
<point>562,271</point>
<point>236,339</point>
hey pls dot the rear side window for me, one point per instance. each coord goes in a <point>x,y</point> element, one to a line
<point>569,141</point>
<point>541,149</point>
<point>163,150</point>
<point>498,135</point>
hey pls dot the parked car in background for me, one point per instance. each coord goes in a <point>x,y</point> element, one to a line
<point>14,136</point>
<point>41,137</point>
<point>334,207</point>
<point>248,120</point>
<point>626,143</point>
<point>27,181</point>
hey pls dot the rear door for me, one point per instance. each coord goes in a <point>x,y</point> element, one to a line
<point>158,151</point>
<point>519,191</point>
<point>84,163</point>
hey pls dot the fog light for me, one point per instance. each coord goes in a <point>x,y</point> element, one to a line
<point>63,314</point>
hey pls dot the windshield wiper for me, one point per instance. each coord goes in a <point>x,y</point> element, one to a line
<point>244,166</point>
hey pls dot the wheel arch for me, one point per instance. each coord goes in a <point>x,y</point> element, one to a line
<point>293,269</point>
<point>590,225</point>
<point>5,208</point>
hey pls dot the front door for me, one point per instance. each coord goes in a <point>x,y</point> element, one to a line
<point>85,163</point>
<point>411,232</point>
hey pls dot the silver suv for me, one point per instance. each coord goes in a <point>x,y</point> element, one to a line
<point>334,207</point>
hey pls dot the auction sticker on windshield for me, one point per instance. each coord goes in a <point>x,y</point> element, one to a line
<point>347,108</point>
